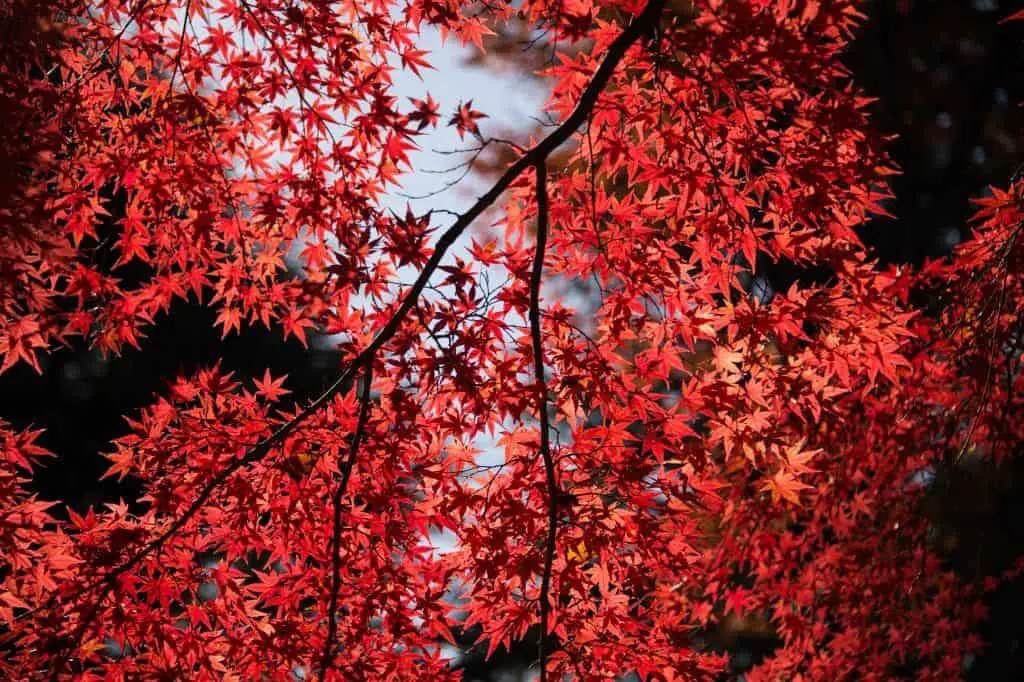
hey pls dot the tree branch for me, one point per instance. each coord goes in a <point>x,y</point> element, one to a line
<point>346,475</point>
<point>542,412</point>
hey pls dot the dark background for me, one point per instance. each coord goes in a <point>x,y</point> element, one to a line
<point>949,79</point>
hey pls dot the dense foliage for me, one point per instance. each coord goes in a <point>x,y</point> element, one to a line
<point>691,448</point>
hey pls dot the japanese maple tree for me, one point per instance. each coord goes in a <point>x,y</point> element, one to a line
<point>692,448</point>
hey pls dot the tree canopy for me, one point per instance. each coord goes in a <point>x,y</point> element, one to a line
<point>650,385</point>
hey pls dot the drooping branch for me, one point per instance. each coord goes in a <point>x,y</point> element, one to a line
<point>541,388</point>
<point>640,26</point>
<point>347,466</point>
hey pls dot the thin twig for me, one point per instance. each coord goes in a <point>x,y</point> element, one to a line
<point>339,495</point>
<point>542,412</point>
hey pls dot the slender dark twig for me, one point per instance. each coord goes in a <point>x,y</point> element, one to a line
<point>339,495</point>
<point>542,412</point>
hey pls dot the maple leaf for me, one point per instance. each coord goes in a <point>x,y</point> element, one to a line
<point>796,457</point>
<point>578,553</point>
<point>426,113</point>
<point>736,601</point>
<point>784,486</point>
<point>270,388</point>
<point>464,119</point>
<point>414,60</point>
<point>396,147</point>
<point>19,341</point>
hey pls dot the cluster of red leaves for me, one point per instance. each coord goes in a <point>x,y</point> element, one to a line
<point>717,452</point>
